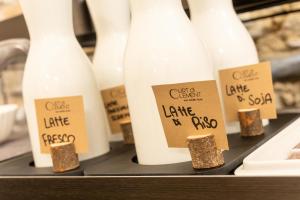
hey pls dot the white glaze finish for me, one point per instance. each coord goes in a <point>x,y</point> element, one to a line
<point>111,20</point>
<point>57,67</point>
<point>162,49</point>
<point>226,38</point>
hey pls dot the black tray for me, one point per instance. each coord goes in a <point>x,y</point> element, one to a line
<point>126,164</point>
<point>24,166</point>
<point>121,160</point>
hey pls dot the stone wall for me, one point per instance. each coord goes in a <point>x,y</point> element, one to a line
<point>277,36</point>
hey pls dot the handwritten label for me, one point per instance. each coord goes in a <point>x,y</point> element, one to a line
<point>61,120</point>
<point>116,107</point>
<point>248,87</point>
<point>190,109</point>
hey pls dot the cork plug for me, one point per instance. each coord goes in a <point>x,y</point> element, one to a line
<point>204,152</point>
<point>64,157</point>
<point>250,122</point>
<point>127,132</point>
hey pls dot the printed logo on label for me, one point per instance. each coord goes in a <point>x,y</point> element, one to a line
<point>186,94</point>
<point>245,75</point>
<point>61,120</point>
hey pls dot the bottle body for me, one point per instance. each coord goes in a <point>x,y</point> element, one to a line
<point>111,20</point>
<point>56,66</point>
<point>162,49</point>
<point>226,38</point>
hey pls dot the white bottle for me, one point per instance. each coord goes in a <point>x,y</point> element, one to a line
<point>226,38</point>
<point>162,49</point>
<point>111,20</point>
<point>57,67</point>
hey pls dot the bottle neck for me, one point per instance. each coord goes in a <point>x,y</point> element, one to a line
<point>200,6</point>
<point>110,16</point>
<point>48,17</point>
<point>155,7</point>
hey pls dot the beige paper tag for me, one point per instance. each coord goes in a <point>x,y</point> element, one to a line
<point>190,109</point>
<point>116,106</point>
<point>248,87</point>
<point>62,120</point>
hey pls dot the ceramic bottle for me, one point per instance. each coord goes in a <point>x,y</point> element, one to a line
<point>57,67</point>
<point>111,20</point>
<point>163,48</point>
<point>226,38</point>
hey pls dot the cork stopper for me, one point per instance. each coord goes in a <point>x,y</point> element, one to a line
<point>127,131</point>
<point>204,152</point>
<point>250,122</point>
<point>64,157</point>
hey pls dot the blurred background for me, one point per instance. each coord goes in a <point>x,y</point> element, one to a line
<point>273,24</point>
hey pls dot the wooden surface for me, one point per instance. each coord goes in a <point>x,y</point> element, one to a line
<point>142,188</point>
